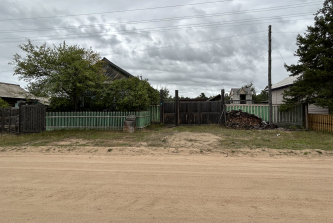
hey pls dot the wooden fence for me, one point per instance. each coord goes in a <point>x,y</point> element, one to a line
<point>320,122</point>
<point>9,120</point>
<point>25,119</point>
<point>94,120</point>
<point>294,117</point>
<point>32,118</point>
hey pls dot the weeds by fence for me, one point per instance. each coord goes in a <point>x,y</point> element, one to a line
<point>320,122</point>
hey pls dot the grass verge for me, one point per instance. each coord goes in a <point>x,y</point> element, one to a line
<point>157,136</point>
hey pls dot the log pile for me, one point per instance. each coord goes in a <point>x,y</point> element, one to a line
<point>244,120</point>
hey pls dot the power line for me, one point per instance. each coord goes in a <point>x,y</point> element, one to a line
<point>248,62</point>
<point>160,29</point>
<point>156,48</point>
<point>163,19</point>
<point>128,10</point>
<point>278,50</point>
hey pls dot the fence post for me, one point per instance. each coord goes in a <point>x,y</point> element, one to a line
<point>161,107</point>
<point>305,116</point>
<point>176,108</point>
<point>20,118</point>
<point>2,120</point>
<point>223,109</point>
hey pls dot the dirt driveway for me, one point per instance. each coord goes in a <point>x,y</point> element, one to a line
<point>37,187</point>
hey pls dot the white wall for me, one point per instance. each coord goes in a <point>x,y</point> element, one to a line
<point>312,109</point>
<point>277,98</point>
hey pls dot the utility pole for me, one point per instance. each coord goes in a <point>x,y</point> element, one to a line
<point>270,110</point>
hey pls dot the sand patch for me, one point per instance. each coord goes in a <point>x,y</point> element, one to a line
<point>193,140</point>
<point>71,142</point>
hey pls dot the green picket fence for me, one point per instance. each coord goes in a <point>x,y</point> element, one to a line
<point>294,117</point>
<point>94,120</point>
<point>155,113</point>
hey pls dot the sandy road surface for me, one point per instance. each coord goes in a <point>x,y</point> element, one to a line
<point>83,188</point>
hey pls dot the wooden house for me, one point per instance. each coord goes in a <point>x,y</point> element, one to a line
<point>13,94</point>
<point>113,72</point>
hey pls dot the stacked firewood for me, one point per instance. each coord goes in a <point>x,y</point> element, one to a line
<point>243,120</point>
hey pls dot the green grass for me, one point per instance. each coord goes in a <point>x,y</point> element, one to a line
<point>156,136</point>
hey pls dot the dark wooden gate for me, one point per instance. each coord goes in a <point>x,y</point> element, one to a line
<point>26,119</point>
<point>177,112</point>
<point>32,118</point>
<point>206,112</point>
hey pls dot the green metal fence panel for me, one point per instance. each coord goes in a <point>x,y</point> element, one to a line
<point>293,117</point>
<point>155,113</point>
<point>100,120</point>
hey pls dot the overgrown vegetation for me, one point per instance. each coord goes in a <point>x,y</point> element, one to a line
<point>157,136</point>
<point>3,103</point>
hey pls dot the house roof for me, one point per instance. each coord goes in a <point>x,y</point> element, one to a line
<point>15,91</point>
<point>236,90</point>
<point>285,82</point>
<point>215,98</point>
<point>12,91</point>
<point>114,72</point>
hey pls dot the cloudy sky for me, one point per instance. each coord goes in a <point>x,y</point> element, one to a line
<point>193,46</point>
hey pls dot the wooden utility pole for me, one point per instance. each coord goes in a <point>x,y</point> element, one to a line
<point>176,108</point>
<point>270,110</point>
<point>161,107</point>
<point>223,109</point>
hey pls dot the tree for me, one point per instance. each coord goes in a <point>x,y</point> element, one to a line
<point>3,103</point>
<point>131,94</point>
<point>257,98</point>
<point>62,73</point>
<point>202,96</point>
<point>166,93</point>
<point>251,87</point>
<point>314,84</point>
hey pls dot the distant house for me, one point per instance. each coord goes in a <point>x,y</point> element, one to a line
<point>113,72</point>
<point>280,87</point>
<point>13,94</point>
<point>240,96</point>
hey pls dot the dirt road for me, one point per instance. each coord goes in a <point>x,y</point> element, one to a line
<point>198,188</point>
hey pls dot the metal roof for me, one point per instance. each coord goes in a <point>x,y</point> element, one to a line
<point>285,82</point>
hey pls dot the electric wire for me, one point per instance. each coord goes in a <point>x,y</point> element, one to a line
<point>127,10</point>
<point>160,20</point>
<point>158,29</point>
<point>276,47</point>
<point>242,65</point>
<point>179,45</point>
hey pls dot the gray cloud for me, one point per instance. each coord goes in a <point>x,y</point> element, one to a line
<point>228,54</point>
